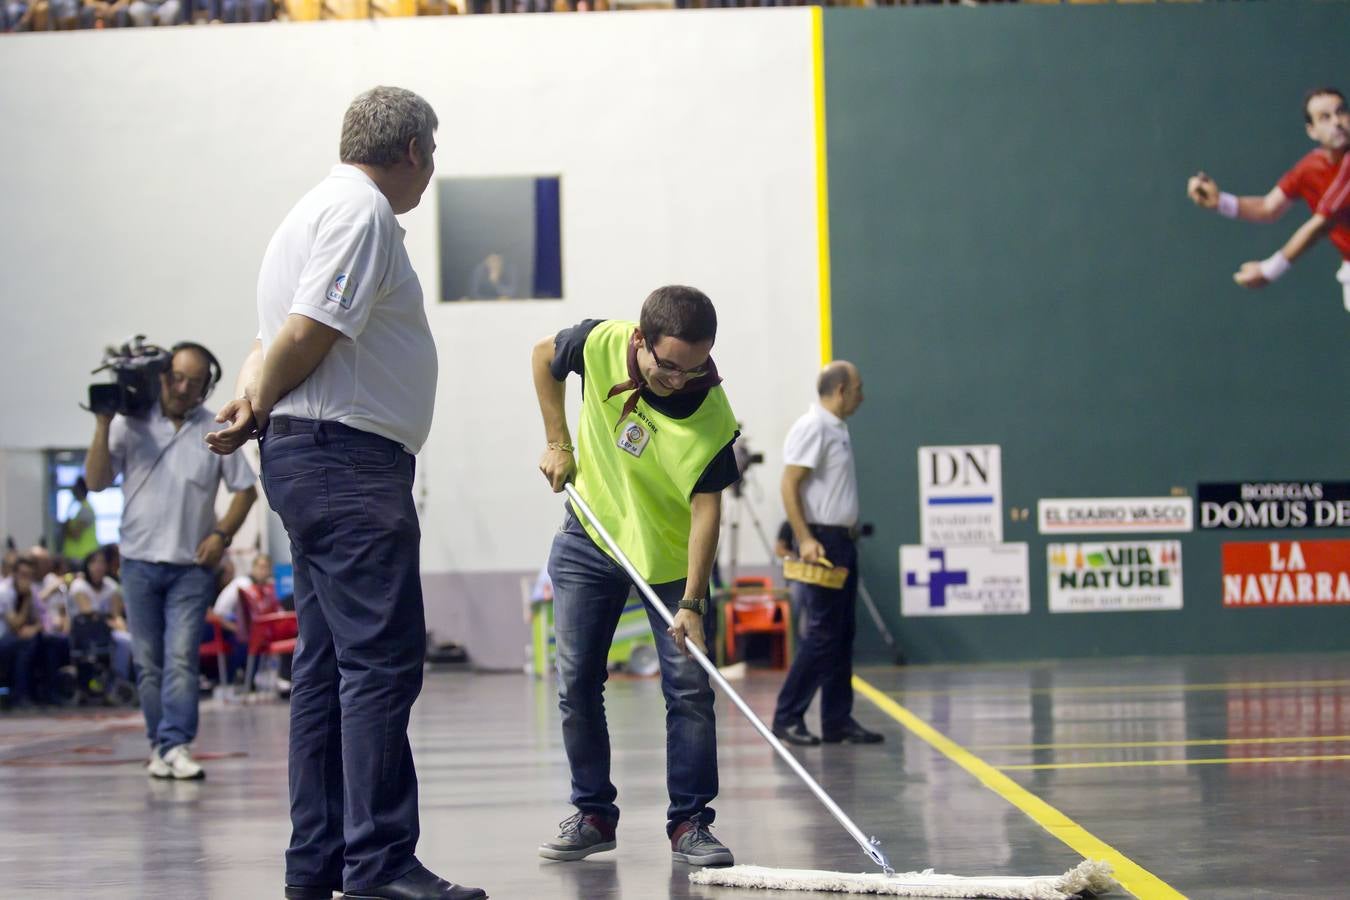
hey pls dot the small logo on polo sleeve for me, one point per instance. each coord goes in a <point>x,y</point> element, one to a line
<point>342,290</point>
<point>634,438</point>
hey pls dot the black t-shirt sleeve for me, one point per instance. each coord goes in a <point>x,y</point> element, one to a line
<point>721,473</point>
<point>569,347</point>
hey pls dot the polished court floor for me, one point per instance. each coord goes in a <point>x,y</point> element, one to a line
<point>1205,777</point>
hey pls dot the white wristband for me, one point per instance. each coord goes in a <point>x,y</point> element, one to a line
<point>1274,267</point>
<point>1228,206</point>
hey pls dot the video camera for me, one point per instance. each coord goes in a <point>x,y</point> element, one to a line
<point>745,458</point>
<point>136,367</point>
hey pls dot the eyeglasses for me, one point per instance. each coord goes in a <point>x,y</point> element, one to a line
<point>672,369</point>
<point>180,379</point>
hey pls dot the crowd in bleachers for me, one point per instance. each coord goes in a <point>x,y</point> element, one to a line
<point>64,639</point>
<point>66,15</point>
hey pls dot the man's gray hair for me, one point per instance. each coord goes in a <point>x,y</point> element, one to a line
<point>380,123</point>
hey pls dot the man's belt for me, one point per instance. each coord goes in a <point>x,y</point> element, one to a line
<point>849,532</point>
<point>298,425</point>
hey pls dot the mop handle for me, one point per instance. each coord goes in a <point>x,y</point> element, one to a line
<point>871,847</point>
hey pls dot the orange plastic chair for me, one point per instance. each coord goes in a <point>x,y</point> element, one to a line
<point>755,608</point>
<point>216,646</point>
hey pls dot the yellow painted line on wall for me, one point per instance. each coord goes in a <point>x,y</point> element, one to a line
<point>1129,688</point>
<point>1134,745</point>
<point>1136,879</point>
<point>822,186</point>
<point>1141,763</point>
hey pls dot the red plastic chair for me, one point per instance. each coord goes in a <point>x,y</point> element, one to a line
<point>754,607</point>
<point>217,646</point>
<point>271,630</point>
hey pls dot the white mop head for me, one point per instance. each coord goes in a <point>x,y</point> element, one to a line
<point>1088,878</point>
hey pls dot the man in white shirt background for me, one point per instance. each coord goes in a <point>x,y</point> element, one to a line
<point>820,495</point>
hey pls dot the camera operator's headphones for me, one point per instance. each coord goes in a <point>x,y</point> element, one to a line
<point>212,365</point>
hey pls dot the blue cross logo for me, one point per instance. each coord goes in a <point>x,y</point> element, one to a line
<point>939,579</point>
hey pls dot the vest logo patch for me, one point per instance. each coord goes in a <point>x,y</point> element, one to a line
<point>634,438</point>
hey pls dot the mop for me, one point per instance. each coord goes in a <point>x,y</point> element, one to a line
<point>1088,878</point>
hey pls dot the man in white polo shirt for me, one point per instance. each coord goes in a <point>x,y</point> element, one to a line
<point>340,386</point>
<point>820,494</point>
<point>171,543</point>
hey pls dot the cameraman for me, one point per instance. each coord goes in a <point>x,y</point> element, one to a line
<point>171,542</point>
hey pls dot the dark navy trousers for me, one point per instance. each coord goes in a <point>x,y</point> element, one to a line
<point>824,659</point>
<point>345,497</point>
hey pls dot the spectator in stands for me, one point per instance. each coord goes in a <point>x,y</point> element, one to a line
<point>8,560</point>
<point>11,14</point>
<point>20,630</point>
<point>61,15</point>
<point>226,609</point>
<point>96,592</point>
<point>154,12</point>
<point>245,10</point>
<point>78,532</point>
<point>260,594</point>
<point>111,13</point>
<point>54,647</point>
<point>51,587</point>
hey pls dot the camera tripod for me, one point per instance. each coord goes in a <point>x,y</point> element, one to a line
<point>738,505</point>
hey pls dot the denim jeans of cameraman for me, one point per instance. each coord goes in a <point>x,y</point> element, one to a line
<point>589,594</point>
<point>166,605</point>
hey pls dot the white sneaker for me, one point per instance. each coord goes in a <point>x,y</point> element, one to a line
<point>156,767</point>
<point>181,765</point>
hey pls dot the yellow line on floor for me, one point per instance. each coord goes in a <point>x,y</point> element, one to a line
<point>1128,688</point>
<point>1138,763</point>
<point>1131,745</point>
<point>1136,879</point>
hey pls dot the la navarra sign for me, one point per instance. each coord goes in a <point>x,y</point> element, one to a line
<point>1286,573</point>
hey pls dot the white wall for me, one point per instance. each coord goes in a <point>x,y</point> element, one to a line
<point>143,171</point>
<point>23,476</point>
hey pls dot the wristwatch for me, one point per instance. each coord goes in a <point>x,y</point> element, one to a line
<point>223,536</point>
<point>698,605</point>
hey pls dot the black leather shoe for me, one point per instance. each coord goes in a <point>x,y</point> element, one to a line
<point>419,884</point>
<point>796,734</point>
<point>309,892</point>
<point>853,734</point>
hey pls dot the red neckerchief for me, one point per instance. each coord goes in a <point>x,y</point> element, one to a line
<point>638,385</point>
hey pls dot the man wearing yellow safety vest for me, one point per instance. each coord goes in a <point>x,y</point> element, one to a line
<point>652,456</point>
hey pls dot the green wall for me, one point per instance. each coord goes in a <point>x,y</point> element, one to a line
<point>1015,262</point>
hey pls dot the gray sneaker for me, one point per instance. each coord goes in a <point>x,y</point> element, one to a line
<point>693,843</point>
<point>579,836</point>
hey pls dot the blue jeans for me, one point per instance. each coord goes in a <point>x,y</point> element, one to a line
<point>17,659</point>
<point>345,497</point>
<point>589,592</point>
<point>824,659</point>
<point>166,604</point>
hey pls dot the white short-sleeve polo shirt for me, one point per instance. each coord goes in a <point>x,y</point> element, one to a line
<point>819,441</point>
<point>338,258</point>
